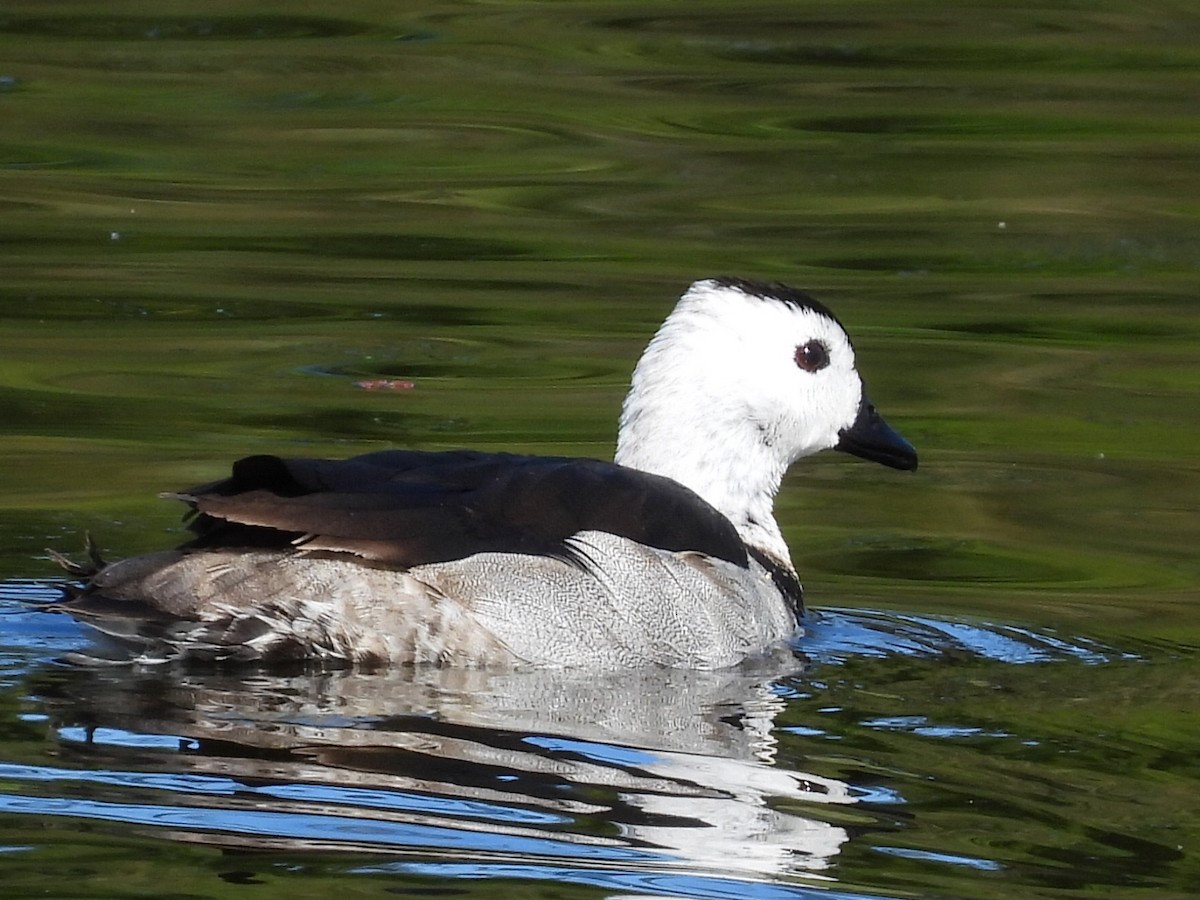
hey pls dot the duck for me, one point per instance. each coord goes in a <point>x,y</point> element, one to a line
<point>670,555</point>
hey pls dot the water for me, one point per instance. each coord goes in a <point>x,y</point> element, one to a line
<point>905,753</point>
<point>221,233</point>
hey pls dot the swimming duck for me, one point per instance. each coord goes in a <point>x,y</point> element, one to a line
<point>670,555</point>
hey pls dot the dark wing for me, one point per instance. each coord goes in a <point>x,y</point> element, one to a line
<point>405,508</point>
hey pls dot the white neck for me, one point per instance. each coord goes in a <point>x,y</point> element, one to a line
<point>736,473</point>
<point>685,418</point>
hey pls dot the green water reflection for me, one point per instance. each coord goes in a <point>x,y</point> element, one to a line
<point>216,222</point>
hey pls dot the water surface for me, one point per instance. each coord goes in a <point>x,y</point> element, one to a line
<point>218,225</point>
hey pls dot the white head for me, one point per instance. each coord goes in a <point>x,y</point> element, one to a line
<point>741,380</point>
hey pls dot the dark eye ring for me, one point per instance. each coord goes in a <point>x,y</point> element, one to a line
<point>813,356</point>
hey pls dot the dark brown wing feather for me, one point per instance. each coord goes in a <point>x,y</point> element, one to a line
<point>404,508</point>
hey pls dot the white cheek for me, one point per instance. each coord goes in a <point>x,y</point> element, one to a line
<point>822,405</point>
<point>849,391</point>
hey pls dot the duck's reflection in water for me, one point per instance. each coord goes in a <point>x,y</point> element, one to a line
<point>651,770</point>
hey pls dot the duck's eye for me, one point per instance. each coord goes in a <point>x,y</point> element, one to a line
<point>812,357</point>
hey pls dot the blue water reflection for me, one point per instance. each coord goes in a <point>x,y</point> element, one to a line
<point>354,831</point>
<point>983,865</point>
<point>758,783</point>
<point>833,635</point>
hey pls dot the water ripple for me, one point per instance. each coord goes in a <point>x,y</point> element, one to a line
<point>835,635</point>
<point>755,783</point>
<point>632,885</point>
